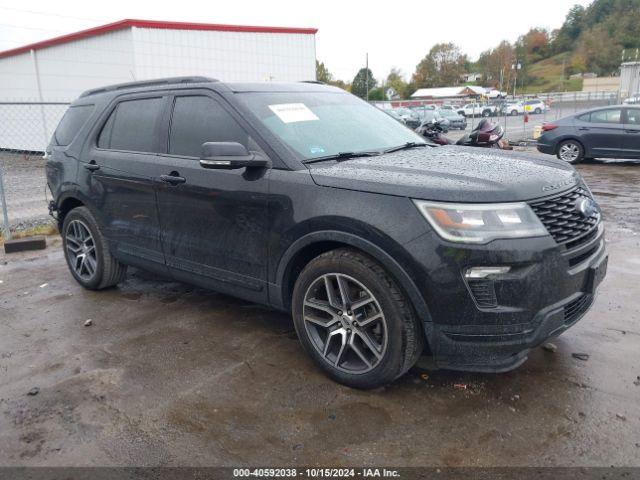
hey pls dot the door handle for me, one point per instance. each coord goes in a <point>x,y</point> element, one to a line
<point>583,128</point>
<point>172,179</point>
<point>632,131</point>
<point>92,166</point>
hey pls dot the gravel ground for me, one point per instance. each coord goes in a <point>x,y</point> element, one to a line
<point>25,182</point>
<point>172,375</point>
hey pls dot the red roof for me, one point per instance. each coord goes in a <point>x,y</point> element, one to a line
<point>110,27</point>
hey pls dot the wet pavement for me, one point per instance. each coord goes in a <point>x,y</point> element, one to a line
<point>168,374</point>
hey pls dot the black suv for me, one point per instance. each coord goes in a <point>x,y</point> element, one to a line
<point>305,198</point>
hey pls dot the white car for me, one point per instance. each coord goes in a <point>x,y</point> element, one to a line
<point>512,108</point>
<point>493,93</point>
<point>534,105</point>
<point>477,109</point>
<point>633,100</point>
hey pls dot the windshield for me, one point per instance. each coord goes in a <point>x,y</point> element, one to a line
<point>319,124</point>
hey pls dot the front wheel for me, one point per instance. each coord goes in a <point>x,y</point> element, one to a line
<point>87,252</point>
<point>486,113</point>
<point>570,151</point>
<point>514,113</point>
<point>353,320</point>
<point>537,111</point>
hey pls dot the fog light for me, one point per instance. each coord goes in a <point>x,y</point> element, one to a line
<point>484,272</point>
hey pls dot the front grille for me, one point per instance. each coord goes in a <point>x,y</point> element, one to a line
<point>483,292</point>
<point>563,222</point>
<point>575,308</point>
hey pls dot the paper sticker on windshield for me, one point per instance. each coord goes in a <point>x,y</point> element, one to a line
<point>293,112</point>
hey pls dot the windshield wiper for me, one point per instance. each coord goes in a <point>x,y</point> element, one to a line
<point>342,156</point>
<point>406,146</point>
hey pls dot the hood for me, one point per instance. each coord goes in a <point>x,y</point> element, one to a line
<point>451,174</point>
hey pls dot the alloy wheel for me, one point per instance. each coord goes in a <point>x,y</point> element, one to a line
<point>569,152</point>
<point>345,323</point>
<point>81,250</point>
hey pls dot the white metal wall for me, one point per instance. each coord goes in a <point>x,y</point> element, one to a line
<point>64,72</point>
<point>68,69</point>
<point>227,56</point>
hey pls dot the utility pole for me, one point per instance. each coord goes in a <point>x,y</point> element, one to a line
<point>562,78</point>
<point>366,72</point>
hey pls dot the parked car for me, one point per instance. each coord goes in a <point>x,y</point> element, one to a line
<point>512,108</point>
<point>493,93</point>
<point>307,199</point>
<point>455,119</point>
<point>602,132</point>
<point>434,116</point>
<point>534,106</point>
<point>633,100</point>
<point>410,118</point>
<point>478,109</point>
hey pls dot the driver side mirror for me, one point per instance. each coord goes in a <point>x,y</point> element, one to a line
<point>230,156</point>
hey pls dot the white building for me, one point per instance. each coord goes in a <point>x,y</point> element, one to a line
<point>59,69</point>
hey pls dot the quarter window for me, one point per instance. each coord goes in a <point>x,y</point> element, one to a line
<point>606,116</point>
<point>200,119</point>
<point>131,126</point>
<point>71,123</point>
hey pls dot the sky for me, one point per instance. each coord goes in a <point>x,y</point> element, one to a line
<point>347,30</point>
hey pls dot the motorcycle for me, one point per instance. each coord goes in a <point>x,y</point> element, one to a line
<point>486,134</point>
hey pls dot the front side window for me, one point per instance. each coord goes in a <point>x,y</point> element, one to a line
<point>132,126</point>
<point>200,119</point>
<point>72,121</point>
<point>319,124</point>
<point>612,115</point>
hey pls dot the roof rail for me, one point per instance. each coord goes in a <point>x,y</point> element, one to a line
<point>316,82</point>
<point>147,83</point>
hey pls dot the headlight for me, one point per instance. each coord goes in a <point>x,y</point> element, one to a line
<point>481,222</point>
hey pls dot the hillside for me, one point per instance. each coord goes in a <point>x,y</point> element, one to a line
<point>546,76</point>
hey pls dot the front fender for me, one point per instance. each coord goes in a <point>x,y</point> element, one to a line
<point>401,273</point>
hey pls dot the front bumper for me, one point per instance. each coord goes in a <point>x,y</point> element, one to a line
<point>548,289</point>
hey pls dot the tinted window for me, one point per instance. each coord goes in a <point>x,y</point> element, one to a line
<point>132,125</point>
<point>585,117</point>
<point>71,123</point>
<point>606,116</point>
<point>633,116</point>
<point>197,120</point>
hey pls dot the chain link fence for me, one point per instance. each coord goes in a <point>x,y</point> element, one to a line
<point>25,130</point>
<point>518,127</point>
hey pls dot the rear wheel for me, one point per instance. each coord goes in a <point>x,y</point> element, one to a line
<point>87,252</point>
<point>570,151</point>
<point>514,113</point>
<point>486,113</point>
<point>353,321</point>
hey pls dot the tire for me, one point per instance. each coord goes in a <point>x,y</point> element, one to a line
<point>537,111</point>
<point>97,269</point>
<point>514,113</point>
<point>571,151</point>
<point>486,113</point>
<point>395,334</point>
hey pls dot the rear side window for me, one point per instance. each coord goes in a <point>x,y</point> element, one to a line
<point>633,116</point>
<point>71,123</point>
<point>606,116</point>
<point>585,117</point>
<point>132,125</point>
<point>199,119</point>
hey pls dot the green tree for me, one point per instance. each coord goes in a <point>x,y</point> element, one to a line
<point>363,82</point>
<point>395,80</point>
<point>442,66</point>
<point>322,73</point>
<point>376,94</point>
